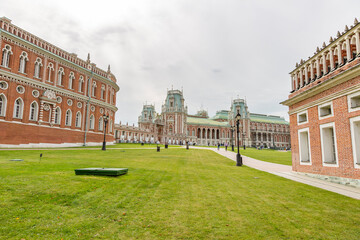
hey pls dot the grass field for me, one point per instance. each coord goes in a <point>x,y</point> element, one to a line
<point>173,194</point>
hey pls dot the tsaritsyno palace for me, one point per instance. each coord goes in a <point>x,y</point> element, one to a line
<point>175,126</point>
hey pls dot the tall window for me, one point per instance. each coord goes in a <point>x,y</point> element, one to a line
<point>6,52</point>
<point>33,111</point>
<point>38,64</point>
<point>22,64</point>
<point>2,105</point>
<point>304,146</point>
<point>60,75</point>
<point>57,115</point>
<point>78,119</point>
<point>355,138</point>
<point>92,122</point>
<point>18,108</point>
<point>71,80</point>
<point>110,126</point>
<point>68,118</point>
<point>81,82</point>
<point>94,89</point>
<point>101,124</point>
<point>50,69</point>
<point>102,91</point>
<point>328,143</point>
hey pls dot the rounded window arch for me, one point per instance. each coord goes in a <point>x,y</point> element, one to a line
<point>101,124</point>
<point>58,115</point>
<point>6,53</point>
<point>3,104</point>
<point>78,120</point>
<point>68,116</point>
<point>92,122</point>
<point>18,108</point>
<point>34,109</point>
<point>22,64</point>
<point>60,76</point>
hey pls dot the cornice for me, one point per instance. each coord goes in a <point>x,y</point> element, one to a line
<point>322,86</point>
<point>57,90</point>
<point>55,57</point>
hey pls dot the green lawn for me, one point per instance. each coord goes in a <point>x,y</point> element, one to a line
<point>267,155</point>
<point>172,194</point>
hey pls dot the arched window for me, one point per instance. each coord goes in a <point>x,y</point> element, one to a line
<point>81,82</point>
<point>78,119</point>
<point>101,124</point>
<point>68,118</point>
<point>110,126</point>
<point>71,80</point>
<point>94,89</point>
<point>22,64</point>
<point>92,122</point>
<point>51,69</point>
<point>33,111</point>
<point>38,64</point>
<point>60,75</point>
<point>6,52</point>
<point>18,108</point>
<point>102,91</point>
<point>57,115</point>
<point>2,105</point>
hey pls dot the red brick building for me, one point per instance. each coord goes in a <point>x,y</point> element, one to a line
<point>324,109</point>
<point>49,96</point>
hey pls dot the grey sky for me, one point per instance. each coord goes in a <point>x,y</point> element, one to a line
<point>215,49</point>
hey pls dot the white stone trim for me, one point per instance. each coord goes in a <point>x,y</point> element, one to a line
<point>325,105</point>
<point>301,113</point>
<point>300,131</point>
<point>349,97</point>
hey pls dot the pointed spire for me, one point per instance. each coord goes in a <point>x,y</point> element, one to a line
<point>88,58</point>
<point>331,40</point>
<point>356,21</point>
<point>317,49</point>
<point>296,65</point>
<point>109,69</point>
<point>324,45</point>
<point>338,34</point>
<point>346,28</point>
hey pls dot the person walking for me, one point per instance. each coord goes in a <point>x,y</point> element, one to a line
<point>226,145</point>
<point>218,146</point>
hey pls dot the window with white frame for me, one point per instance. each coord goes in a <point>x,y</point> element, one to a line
<point>22,63</point>
<point>101,124</point>
<point>68,118</point>
<point>50,69</point>
<point>2,105</point>
<point>60,76</point>
<point>354,102</point>
<point>325,110</point>
<point>302,117</point>
<point>110,126</point>
<point>38,65</point>
<point>78,119</point>
<point>102,91</point>
<point>57,115</point>
<point>304,145</point>
<point>328,144</point>
<point>94,89</point>
<point>71,80</point>
<point>6,53</point>
<point>33,111</point>
<point>18,108</point>
<point>92,122</point>
<point>355,139</point>
<point>81,82</point>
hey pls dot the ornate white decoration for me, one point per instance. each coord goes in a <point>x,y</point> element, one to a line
<point>59,99</point>
<point>69,102</point>
<point>35,93</point>
<point>20,89</point>
<point>79,105</point>
<point>50,94</point>
<point>46,107</point>
<point>92,108</point>
<point>101,110</point>
<point>3,85</point>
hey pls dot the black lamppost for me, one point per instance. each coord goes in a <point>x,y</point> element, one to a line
<point>232,128</point>
<point>238,156</point>
<point>106,119</point>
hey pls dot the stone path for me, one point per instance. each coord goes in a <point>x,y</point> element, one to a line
<point>286,172</point>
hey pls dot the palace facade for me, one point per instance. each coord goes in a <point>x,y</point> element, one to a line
<point>324,109</point>
<point>49,96</point>
<point>175,126</point>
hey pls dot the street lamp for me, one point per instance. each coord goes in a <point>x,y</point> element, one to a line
<point>238,156</point>
<point>106,119</point>
<point>232,128</point>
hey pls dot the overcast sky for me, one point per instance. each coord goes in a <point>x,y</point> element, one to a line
<point>215,50</point>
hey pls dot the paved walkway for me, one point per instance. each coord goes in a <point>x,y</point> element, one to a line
<point>286,172</point>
